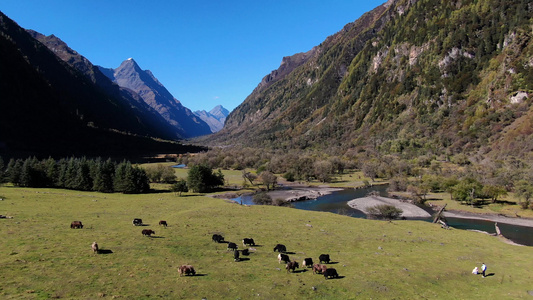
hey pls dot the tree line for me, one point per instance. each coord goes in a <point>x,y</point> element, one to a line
<point>469,179</point>
<point>76,174</point>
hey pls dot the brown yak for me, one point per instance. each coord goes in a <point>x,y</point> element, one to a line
<point>187,270</point>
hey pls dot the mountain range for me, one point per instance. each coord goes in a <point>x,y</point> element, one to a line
<point>215,118</point>
<point>409,78</point>
<point>129,75</point>
<point>63,105</point>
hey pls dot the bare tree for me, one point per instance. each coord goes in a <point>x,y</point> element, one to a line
<point>249,176</point>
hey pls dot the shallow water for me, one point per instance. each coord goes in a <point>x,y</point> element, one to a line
<point>337,202</point>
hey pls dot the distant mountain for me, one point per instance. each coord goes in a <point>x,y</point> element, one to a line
<point>407,78</point>
<point>214,118</point>
<point>141,110</point>
<point>143,82</point>
<point>48,107</point>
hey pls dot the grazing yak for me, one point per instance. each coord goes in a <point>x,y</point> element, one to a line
<point>246,241</point>
<point>319,269</point>
<point>94,246</point>
<point>330,273</point>
<point>164,223</point>
<point>292,265</point>
<point>280,248</point>
<point>137,222</point>
<point>324,258</point>
<point>232,246</point>
<point>148,232</point>
<point>245,252</point>
<point>187,270</point>
<point>76,225</point>
<point>236,255</point>
<point>308,262</point>
<point>217,238</point>
<point>283,257</point>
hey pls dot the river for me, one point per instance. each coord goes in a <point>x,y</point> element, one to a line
<point>337,203</point>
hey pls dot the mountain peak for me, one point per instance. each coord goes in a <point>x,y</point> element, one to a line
<point>130,62</point>
<point>214,118</point>
<point>130,75</point>
<point>219,111</point>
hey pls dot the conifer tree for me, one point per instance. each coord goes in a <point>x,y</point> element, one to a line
<point>14,169</point>
<point>83,180</point>
<point>51,172</point>
<point>103,177</point>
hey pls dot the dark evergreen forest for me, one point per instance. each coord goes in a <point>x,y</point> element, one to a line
<point>76,174</point>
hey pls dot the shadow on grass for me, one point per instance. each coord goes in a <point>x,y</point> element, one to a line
<point>157,237</point>
<point>490,274</point>
<point>243,259</point>
<point>332,263</point>
<point>299,271</point>
<point>287,252</point>
<point>104,251</point>
<point>199,275</point>
<point>339,277</point>
<point>161,191</point>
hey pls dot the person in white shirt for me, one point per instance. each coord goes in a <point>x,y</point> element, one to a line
<point>483,269</point>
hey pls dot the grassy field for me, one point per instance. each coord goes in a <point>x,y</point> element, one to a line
<point>41,257</point>
<point>508,205</point>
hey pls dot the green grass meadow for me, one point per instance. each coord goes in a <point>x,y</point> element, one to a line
<point>41,257</point>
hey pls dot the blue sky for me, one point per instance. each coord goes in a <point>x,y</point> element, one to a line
<point>205,52</point>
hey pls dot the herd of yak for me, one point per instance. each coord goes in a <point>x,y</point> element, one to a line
<point>283,256</point>
<point>280,248</point>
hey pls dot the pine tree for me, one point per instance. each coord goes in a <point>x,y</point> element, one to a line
<point>119,180</point>
<point>51,171</point>
<point>61,179</point>
<point>14,169</point>
<point>70,173</point>
<point>83,180</point>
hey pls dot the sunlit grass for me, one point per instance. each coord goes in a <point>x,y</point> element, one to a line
<point>41,257</point>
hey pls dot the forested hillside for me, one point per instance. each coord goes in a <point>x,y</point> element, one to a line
<point>408,78</point>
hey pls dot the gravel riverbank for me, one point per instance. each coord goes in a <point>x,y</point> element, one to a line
<point>409,210</point>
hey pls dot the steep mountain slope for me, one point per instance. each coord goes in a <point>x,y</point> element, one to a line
<point>139,108</point>
<point>130,75</point>
<point>409,77</point>
<point>215,118</point>
<point>50,108</point>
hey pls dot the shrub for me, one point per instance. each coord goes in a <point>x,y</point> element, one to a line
<point>289,176</point>
<point>385,211</point>
<point>180,187</point>
<point>262,199</point>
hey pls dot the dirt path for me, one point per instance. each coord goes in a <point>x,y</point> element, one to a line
<point>490,217</point>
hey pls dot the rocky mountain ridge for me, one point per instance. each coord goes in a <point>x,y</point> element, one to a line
<point>127,96</point>
<point>129,75</point>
